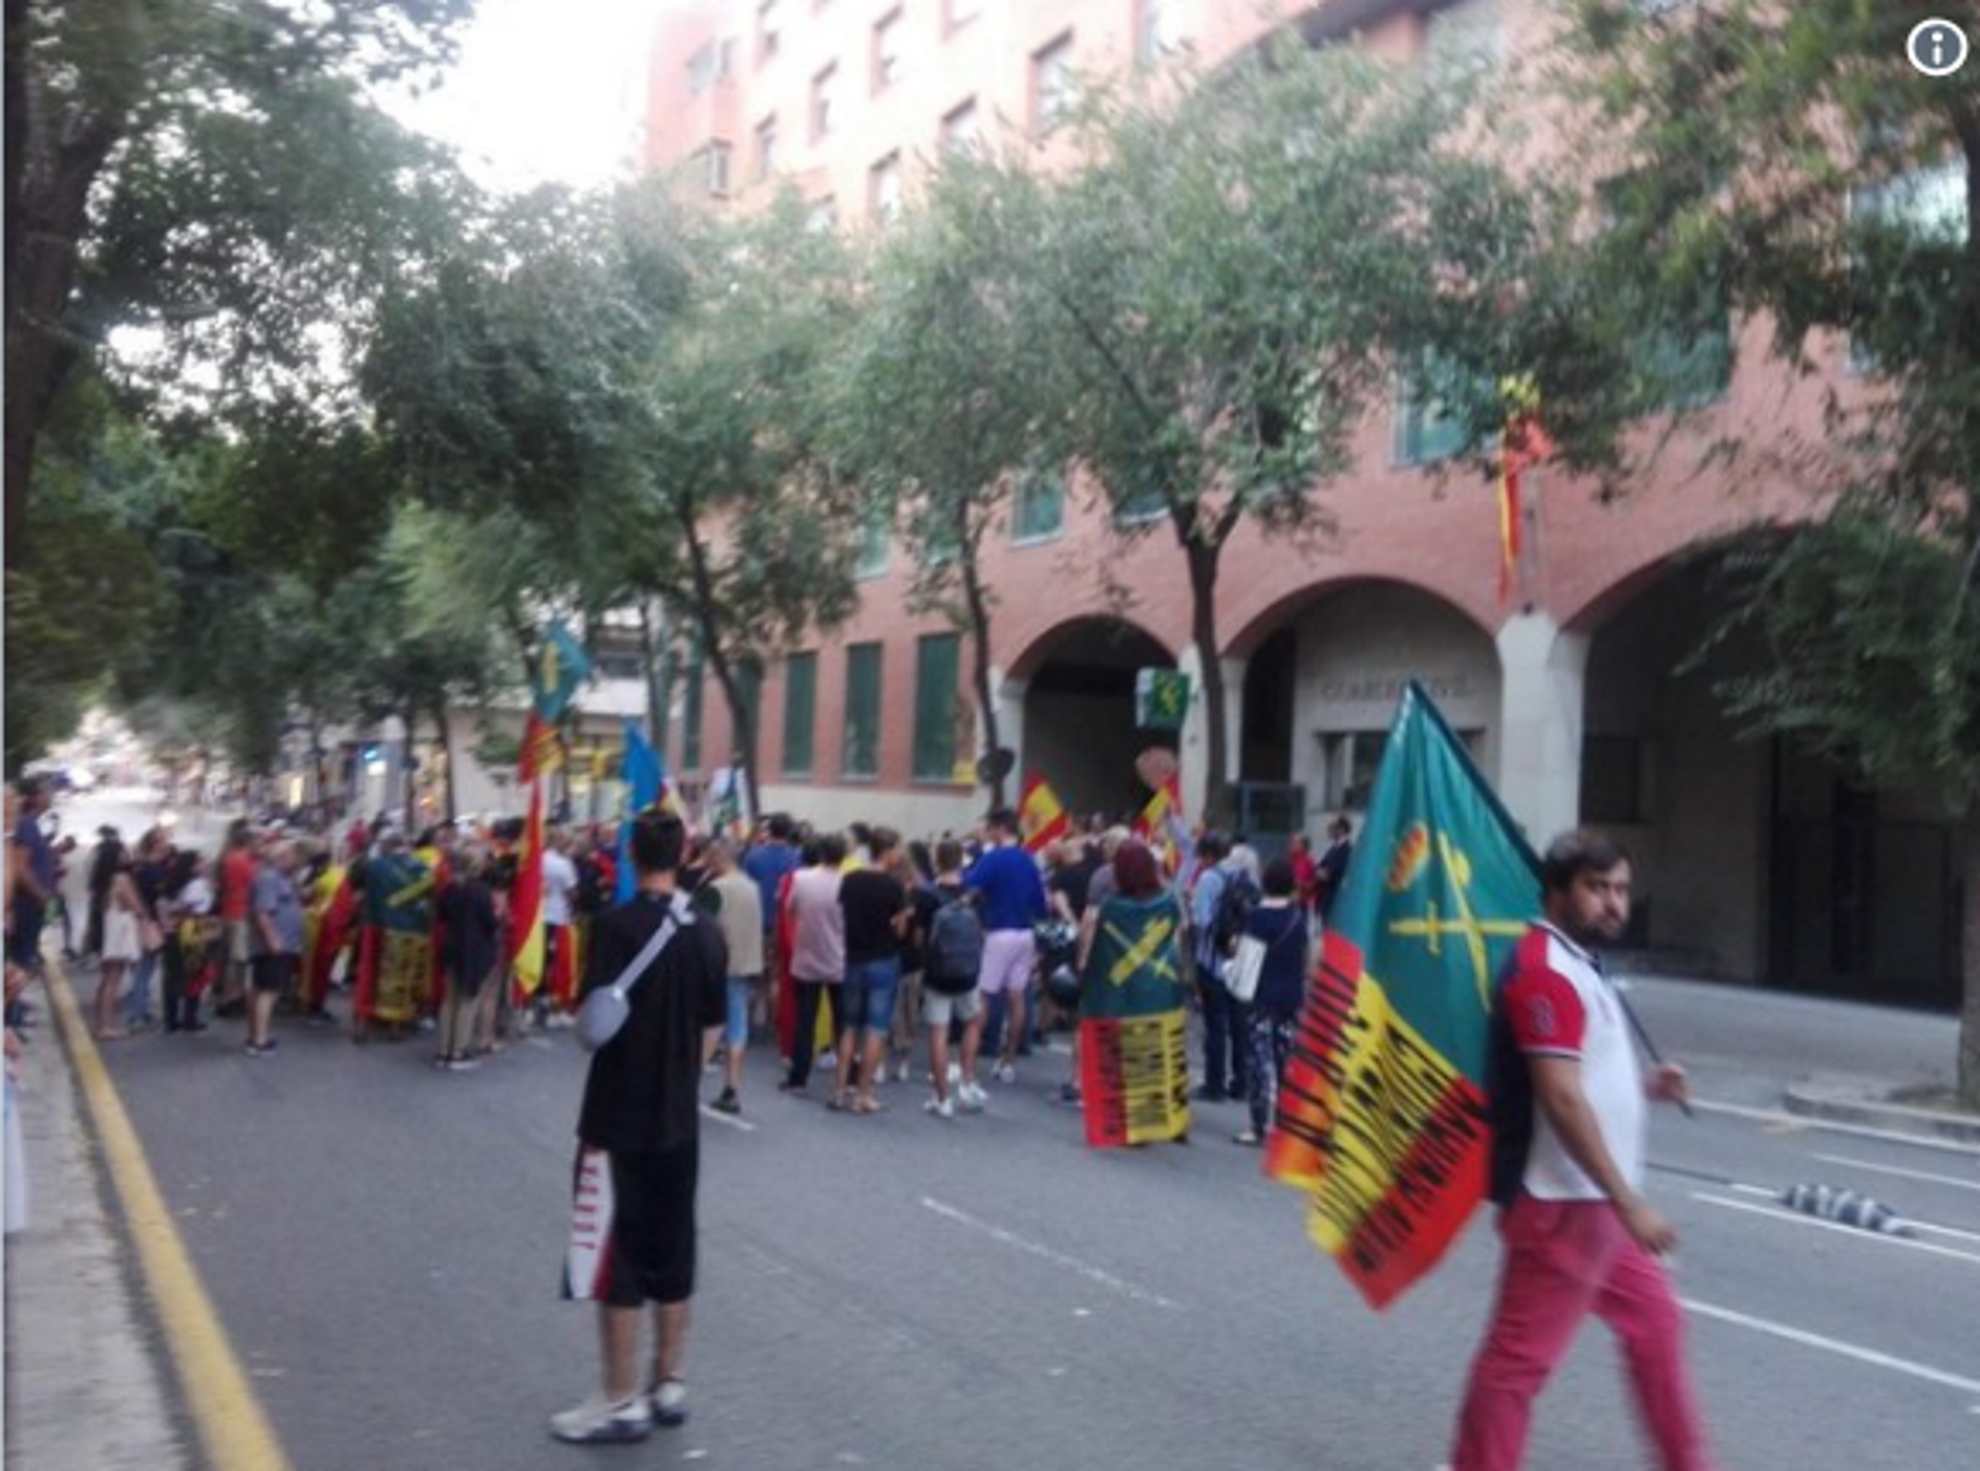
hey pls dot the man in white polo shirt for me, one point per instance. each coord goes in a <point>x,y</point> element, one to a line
<point>1568,1105</point>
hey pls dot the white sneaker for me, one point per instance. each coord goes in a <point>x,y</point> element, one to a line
<point>971,1097</point>
<point>670,1403</point>
<point>955,1073</point>
<point>599,1421</point>
<point>1006,1072</point>
<point>942,1108</point>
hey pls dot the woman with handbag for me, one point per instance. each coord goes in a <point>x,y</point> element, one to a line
<point>1272,958</point>
<point>123,908</point>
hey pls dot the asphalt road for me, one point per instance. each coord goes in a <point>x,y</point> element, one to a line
<point>383,1244</point>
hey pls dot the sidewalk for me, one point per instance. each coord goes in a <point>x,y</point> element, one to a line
<point>87,1386</point>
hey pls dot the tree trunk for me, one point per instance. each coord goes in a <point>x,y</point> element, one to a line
<point>708,618</point>
<point>446,752</point>
<point>979,635</point>
<point>1203,558</point>
<point>658,678</point>
<point>409,772</point>
<point>50,214</point>
<point>1969,964</point>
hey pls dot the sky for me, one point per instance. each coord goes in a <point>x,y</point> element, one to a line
<point>546,90</point>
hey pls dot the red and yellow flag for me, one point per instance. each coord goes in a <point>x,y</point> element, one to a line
<point>526,936</point>
<point>1162,826</point>
<point>1042,817</point>
<point>1523,445</point>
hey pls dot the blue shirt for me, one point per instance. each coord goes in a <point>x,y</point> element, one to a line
<point>767,864</point>
<point>1013,893</point>
<point>32,841</point>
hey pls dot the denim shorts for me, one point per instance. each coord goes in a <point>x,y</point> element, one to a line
<point>866,1001</point>
<point>736,1034</point>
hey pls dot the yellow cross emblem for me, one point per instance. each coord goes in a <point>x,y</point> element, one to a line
<point>1143,951</point>
<point>1466,925</point>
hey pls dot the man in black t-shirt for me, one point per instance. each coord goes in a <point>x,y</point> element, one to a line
<point>876,912</point>
<point>639,1127</point>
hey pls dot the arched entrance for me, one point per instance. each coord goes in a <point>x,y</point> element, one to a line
<point>1079,713</point>
<point>1323,673</point>
<point>1757,861</point>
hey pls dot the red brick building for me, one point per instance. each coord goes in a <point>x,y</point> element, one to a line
<point>1755,862</point>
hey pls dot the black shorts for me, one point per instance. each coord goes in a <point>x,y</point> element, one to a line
<point>273,972</point>
<point>651,1255</point>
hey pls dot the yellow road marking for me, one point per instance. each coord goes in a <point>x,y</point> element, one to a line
<point>230,1420</point>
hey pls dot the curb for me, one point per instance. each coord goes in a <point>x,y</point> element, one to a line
<point>1845,1108</point>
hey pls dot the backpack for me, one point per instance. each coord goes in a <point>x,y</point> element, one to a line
<point>1234,906</point>
<point>955,947</point>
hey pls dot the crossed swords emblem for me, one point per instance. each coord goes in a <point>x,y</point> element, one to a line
<point>1466,925</point>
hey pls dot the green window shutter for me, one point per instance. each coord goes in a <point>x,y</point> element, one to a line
<point>937,658</point>
<point>800,712</point>
<point>862,751</point>
<point>691,715</point>
<point>749,689</point>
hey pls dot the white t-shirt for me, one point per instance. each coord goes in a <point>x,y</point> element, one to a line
<point>1561,1005</point>
<point>559,880</point>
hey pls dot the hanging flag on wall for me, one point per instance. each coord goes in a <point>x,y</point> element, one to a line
<point>1522,445</point>
<point>1382,1117</point>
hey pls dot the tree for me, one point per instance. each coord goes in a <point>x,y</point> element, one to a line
<point>1230,283</point>
<point>940,399</point>
<point>217,175</point>
<point>1788,164</point>
<point>746,528</point>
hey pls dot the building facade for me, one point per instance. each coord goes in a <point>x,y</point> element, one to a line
<point>1580,695</point>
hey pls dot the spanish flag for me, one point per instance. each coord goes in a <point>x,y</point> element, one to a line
<point>1041,816</point>
<point>1162,826</point>
<point>1523,445</point>
<point>526,902</point>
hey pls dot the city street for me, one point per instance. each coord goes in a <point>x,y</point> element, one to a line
<point>383,1245</point>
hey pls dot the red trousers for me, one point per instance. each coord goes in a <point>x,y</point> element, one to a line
<point>1564,1260</point>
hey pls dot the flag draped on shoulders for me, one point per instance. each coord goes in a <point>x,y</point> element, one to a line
<point>1134,1061</point>
<point>1042,816</point>
<point>1382,1117</point>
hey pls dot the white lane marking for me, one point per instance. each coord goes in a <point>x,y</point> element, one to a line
<point>1952,1231</point>
<point>1057,1258</point>
<point>1801,1123</point>
<point>1904,1174</point>
<point>728,1119</point>
<point>1795,1218</point>
<point>1834,1346</point>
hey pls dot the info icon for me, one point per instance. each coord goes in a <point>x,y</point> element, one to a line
<point>1936,47</point>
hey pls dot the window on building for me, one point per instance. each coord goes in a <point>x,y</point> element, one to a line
<point>1038,506</point>
<point>691,714</point>
<point>862,752</point>
<point>709,65</point>
<point>1350,760</point>
<point>887,50</point>
<point>824,95</point>
<point>883,189</point>
<point>1429,424</point>
<point>769,31</point>
<point>1139,504</point>
<point>1920,207</point>
<point>1612,779</point>
<point>1157,31</point>
<point>715,168</point>
<point>874,539</point>
<point>937,663</point>
<point>958,13</point>
<point>1464,35</point>
<point>960,129</point>
<point>1052,83</point>
<point>800,711</point>
<point>749,694</point>
<point>766,148</point>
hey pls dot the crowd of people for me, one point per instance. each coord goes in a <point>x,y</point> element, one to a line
<point>952,957</point>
